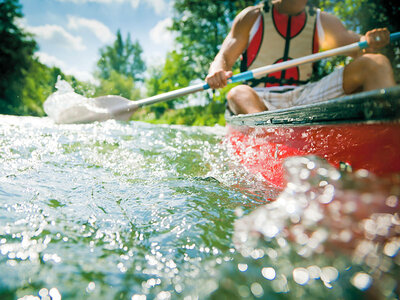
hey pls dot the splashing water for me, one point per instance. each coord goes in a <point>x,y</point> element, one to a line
<point>118,210</point>
<point>65,104</point>
<point>337,229</point>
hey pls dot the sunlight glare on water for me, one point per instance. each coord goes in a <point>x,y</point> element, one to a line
<point>119,210</point>
<point>107,209</point>
<point>336,228</point>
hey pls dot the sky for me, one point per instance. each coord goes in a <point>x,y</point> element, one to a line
<point>71,32</point>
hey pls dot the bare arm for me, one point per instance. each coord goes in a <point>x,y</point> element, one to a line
<point>234,44</point>
<point>336,35</point>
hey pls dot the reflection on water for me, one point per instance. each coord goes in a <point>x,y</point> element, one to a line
<point>326,230</point>
<point>136,211</point>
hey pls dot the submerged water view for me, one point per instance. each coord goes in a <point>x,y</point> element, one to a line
<point>128,210</point>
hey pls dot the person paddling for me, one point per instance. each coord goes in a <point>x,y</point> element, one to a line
<point>281,30</point>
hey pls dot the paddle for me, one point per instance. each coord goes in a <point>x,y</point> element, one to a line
<point>116,107</point>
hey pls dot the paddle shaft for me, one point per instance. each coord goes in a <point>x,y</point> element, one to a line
<point>248,75</point>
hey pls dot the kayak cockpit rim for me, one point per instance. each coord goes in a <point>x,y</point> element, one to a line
<point>366,107</point>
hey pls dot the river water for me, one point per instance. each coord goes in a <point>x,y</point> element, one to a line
<point>128,210</point>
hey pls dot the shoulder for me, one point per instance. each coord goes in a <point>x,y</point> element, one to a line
<point>333,24</point>
<point>330,22</point>
<point>246,18</point>
<point>336,34</point>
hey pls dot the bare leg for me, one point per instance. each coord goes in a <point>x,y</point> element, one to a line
<point>368,72</point>
<point>242,99</point>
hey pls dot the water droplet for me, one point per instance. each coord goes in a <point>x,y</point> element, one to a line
<point>362,281</point>
<point>242,267</point>
<point>301,276</point>
<point>256,289</point>
<point>54,294</point>
<point>91,286</point>
<point>43,292</point>
<point>314,272</point>
<point>391,248</point>
<point>269,273</point>
<point>243,291</point>
<point>138,297</point>
<point>163,295</point>
<point>329,274</point>
<point>392,201</point>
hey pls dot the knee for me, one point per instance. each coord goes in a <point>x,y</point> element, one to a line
<point>238,93</point>
<point>242,99</point>
<point>375,63</point>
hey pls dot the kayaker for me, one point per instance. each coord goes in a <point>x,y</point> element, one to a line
<point>284,29</point>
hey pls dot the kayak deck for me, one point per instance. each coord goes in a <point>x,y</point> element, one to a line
<point>354,132</point>
<point>377,105</point>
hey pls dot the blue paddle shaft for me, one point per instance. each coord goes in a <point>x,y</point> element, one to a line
<point>237,78</point>
<point>248,75</point>
<point>259,72</point>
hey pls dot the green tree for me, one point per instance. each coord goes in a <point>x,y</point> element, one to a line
<point>123,57</point>
<point>39,83</point>
<point>16,51</point>
<point>176,73</point>
<point>202,27</point>
<point>361,16</point>
<point>118,84</point>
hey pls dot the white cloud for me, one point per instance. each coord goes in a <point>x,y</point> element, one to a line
<point>95,1</point>
<point>160,35</point>
<point>81,75</point>
<point>50,60</point>
<point>101,31</point>
<point>154,59</point>
<point>57,35</point>
<point>159,6</point>
<point>135,3</point>
<point>53,61</point>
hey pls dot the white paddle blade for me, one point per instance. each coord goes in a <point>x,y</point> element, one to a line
<point>116,106</point>
<point>66,107</point>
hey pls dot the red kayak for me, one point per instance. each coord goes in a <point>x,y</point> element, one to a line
<point>353,132</point>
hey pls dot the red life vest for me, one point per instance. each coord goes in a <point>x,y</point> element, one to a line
<point>278,38</point>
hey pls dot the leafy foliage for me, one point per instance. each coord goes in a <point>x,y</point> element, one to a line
<point>39,84</point>
<point>362,16</point>
<point>202,27</point>
<point>176,73</point>
<point>25,83</point>
<point>16,51</point>
<point>118,84</point>
<point>123,57</point>
<point>208,115</point>
<point>40,81</point>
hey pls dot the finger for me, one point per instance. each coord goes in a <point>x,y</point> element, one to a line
<point>378,38</point>
<point>222,79</point>
<point>211,83</point>
<point>386,35</point>
<point>216,79</point>
<point>228,74</point>
<point>215,84</point>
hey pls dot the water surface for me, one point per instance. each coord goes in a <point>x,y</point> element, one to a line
<point>119,210</point>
